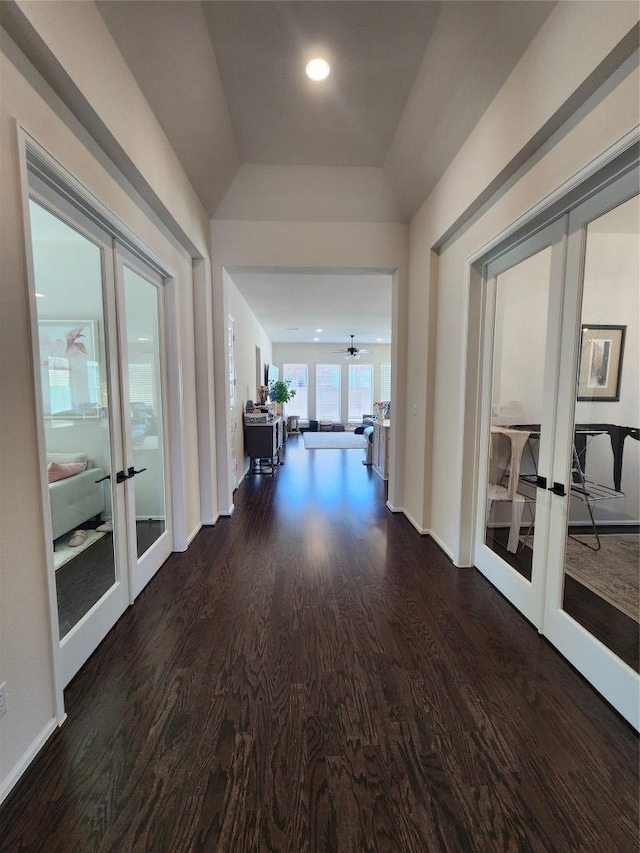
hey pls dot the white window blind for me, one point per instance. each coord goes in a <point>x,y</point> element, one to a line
<point>360,391</point>
<point>385,381</point>
<point>298,375</point>
<point>59,384</point>
<point>141,383</point>
<point>328,392</point>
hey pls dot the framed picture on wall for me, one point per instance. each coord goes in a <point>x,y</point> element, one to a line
<point>601,353</point>
<point>69,368</point>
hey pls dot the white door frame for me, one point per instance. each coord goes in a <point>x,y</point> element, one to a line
<point>233,402</point>
<point>527,596</point>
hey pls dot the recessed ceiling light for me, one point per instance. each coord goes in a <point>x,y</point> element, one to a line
<point>315,340</point>
<point>318,330</point>
<point>318,69</point>
<point>379,340</point>
<point>144,339</point>
<point>40,295</point>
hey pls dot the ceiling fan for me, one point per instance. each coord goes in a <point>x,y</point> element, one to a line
<point>352,351</point>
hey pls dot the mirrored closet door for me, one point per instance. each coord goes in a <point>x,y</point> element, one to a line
<point>592,611</point>
<point>72,263</point>
<point>141,316</point>
<point>524,292</point>
<point>558,510</point>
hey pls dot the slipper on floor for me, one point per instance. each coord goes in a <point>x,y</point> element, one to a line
<point>78,537</point>
<point>105,527</point>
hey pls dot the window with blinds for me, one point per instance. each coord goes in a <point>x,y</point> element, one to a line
<point>141,383</point>
<point>385,381</point>
<point>298,375</point>
<point>360,391</point>
<point>328,392</point>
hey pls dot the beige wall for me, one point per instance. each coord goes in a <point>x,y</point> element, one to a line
<point>249,335</point>
<point>26,650</point>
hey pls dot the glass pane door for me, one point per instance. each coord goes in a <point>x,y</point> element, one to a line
<point>521,339</point>
<point>73,335</point>
<point>594,608</point>
<point>141,346</point>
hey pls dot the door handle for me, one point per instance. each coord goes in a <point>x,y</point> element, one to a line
<point>121,477</point>
<point>106,477</point>
<point>131,471</point>
<point>541,482</point>
<point>558,489</point>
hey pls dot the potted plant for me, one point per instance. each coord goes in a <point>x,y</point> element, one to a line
<point>280,392</point>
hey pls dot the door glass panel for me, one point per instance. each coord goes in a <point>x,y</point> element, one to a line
<point>142,311</point>
<point>68,275</point>
<point>518,361</point>
<point>602,554</point>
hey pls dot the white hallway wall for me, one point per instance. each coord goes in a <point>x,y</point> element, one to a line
<point>249,335</point>
<point>312,354</point>
<point>26,651</point>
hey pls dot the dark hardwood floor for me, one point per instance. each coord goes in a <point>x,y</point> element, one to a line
<point>312,675</point>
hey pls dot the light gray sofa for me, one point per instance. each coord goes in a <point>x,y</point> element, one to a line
<point>76,499</point>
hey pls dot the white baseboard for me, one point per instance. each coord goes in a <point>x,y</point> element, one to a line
<point>394,508</point>
<point>443,547</point>
<point>228,512</point>
<point>423,531</point>
<point>210,522</point>
<point>36,745</point>
<point>193,535</point>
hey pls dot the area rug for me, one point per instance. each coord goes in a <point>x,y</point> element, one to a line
<point>334,441</point>
<point>64,552</point>
<point>612,572</point>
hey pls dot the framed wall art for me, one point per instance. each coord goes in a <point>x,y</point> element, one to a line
<point>601,354</point>
<point>69,368</point>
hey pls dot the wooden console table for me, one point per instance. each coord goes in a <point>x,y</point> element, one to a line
<point>263,444</point>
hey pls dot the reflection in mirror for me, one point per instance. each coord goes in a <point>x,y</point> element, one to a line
<point>519,344</point>
<point>75,401</point>
<point>145,406</point>
<point>602,558</point>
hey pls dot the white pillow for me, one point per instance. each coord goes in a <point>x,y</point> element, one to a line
<point>67,457</point>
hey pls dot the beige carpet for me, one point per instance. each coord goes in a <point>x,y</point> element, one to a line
<point>333,441</point>
<point>613,573</point>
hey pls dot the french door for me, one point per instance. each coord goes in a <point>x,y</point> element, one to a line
<point>558,506</point>
<point>99,377</point>
<point>140,324</point>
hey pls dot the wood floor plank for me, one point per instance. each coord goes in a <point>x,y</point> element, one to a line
<point>313,675</point>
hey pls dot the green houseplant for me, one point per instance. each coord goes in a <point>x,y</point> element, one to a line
<point>280,392</point>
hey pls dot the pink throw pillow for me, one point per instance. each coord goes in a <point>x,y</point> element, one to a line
<point>61,470</point>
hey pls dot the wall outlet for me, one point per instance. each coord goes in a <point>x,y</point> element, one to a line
<point>3,698</point>
<point>415,410</point>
